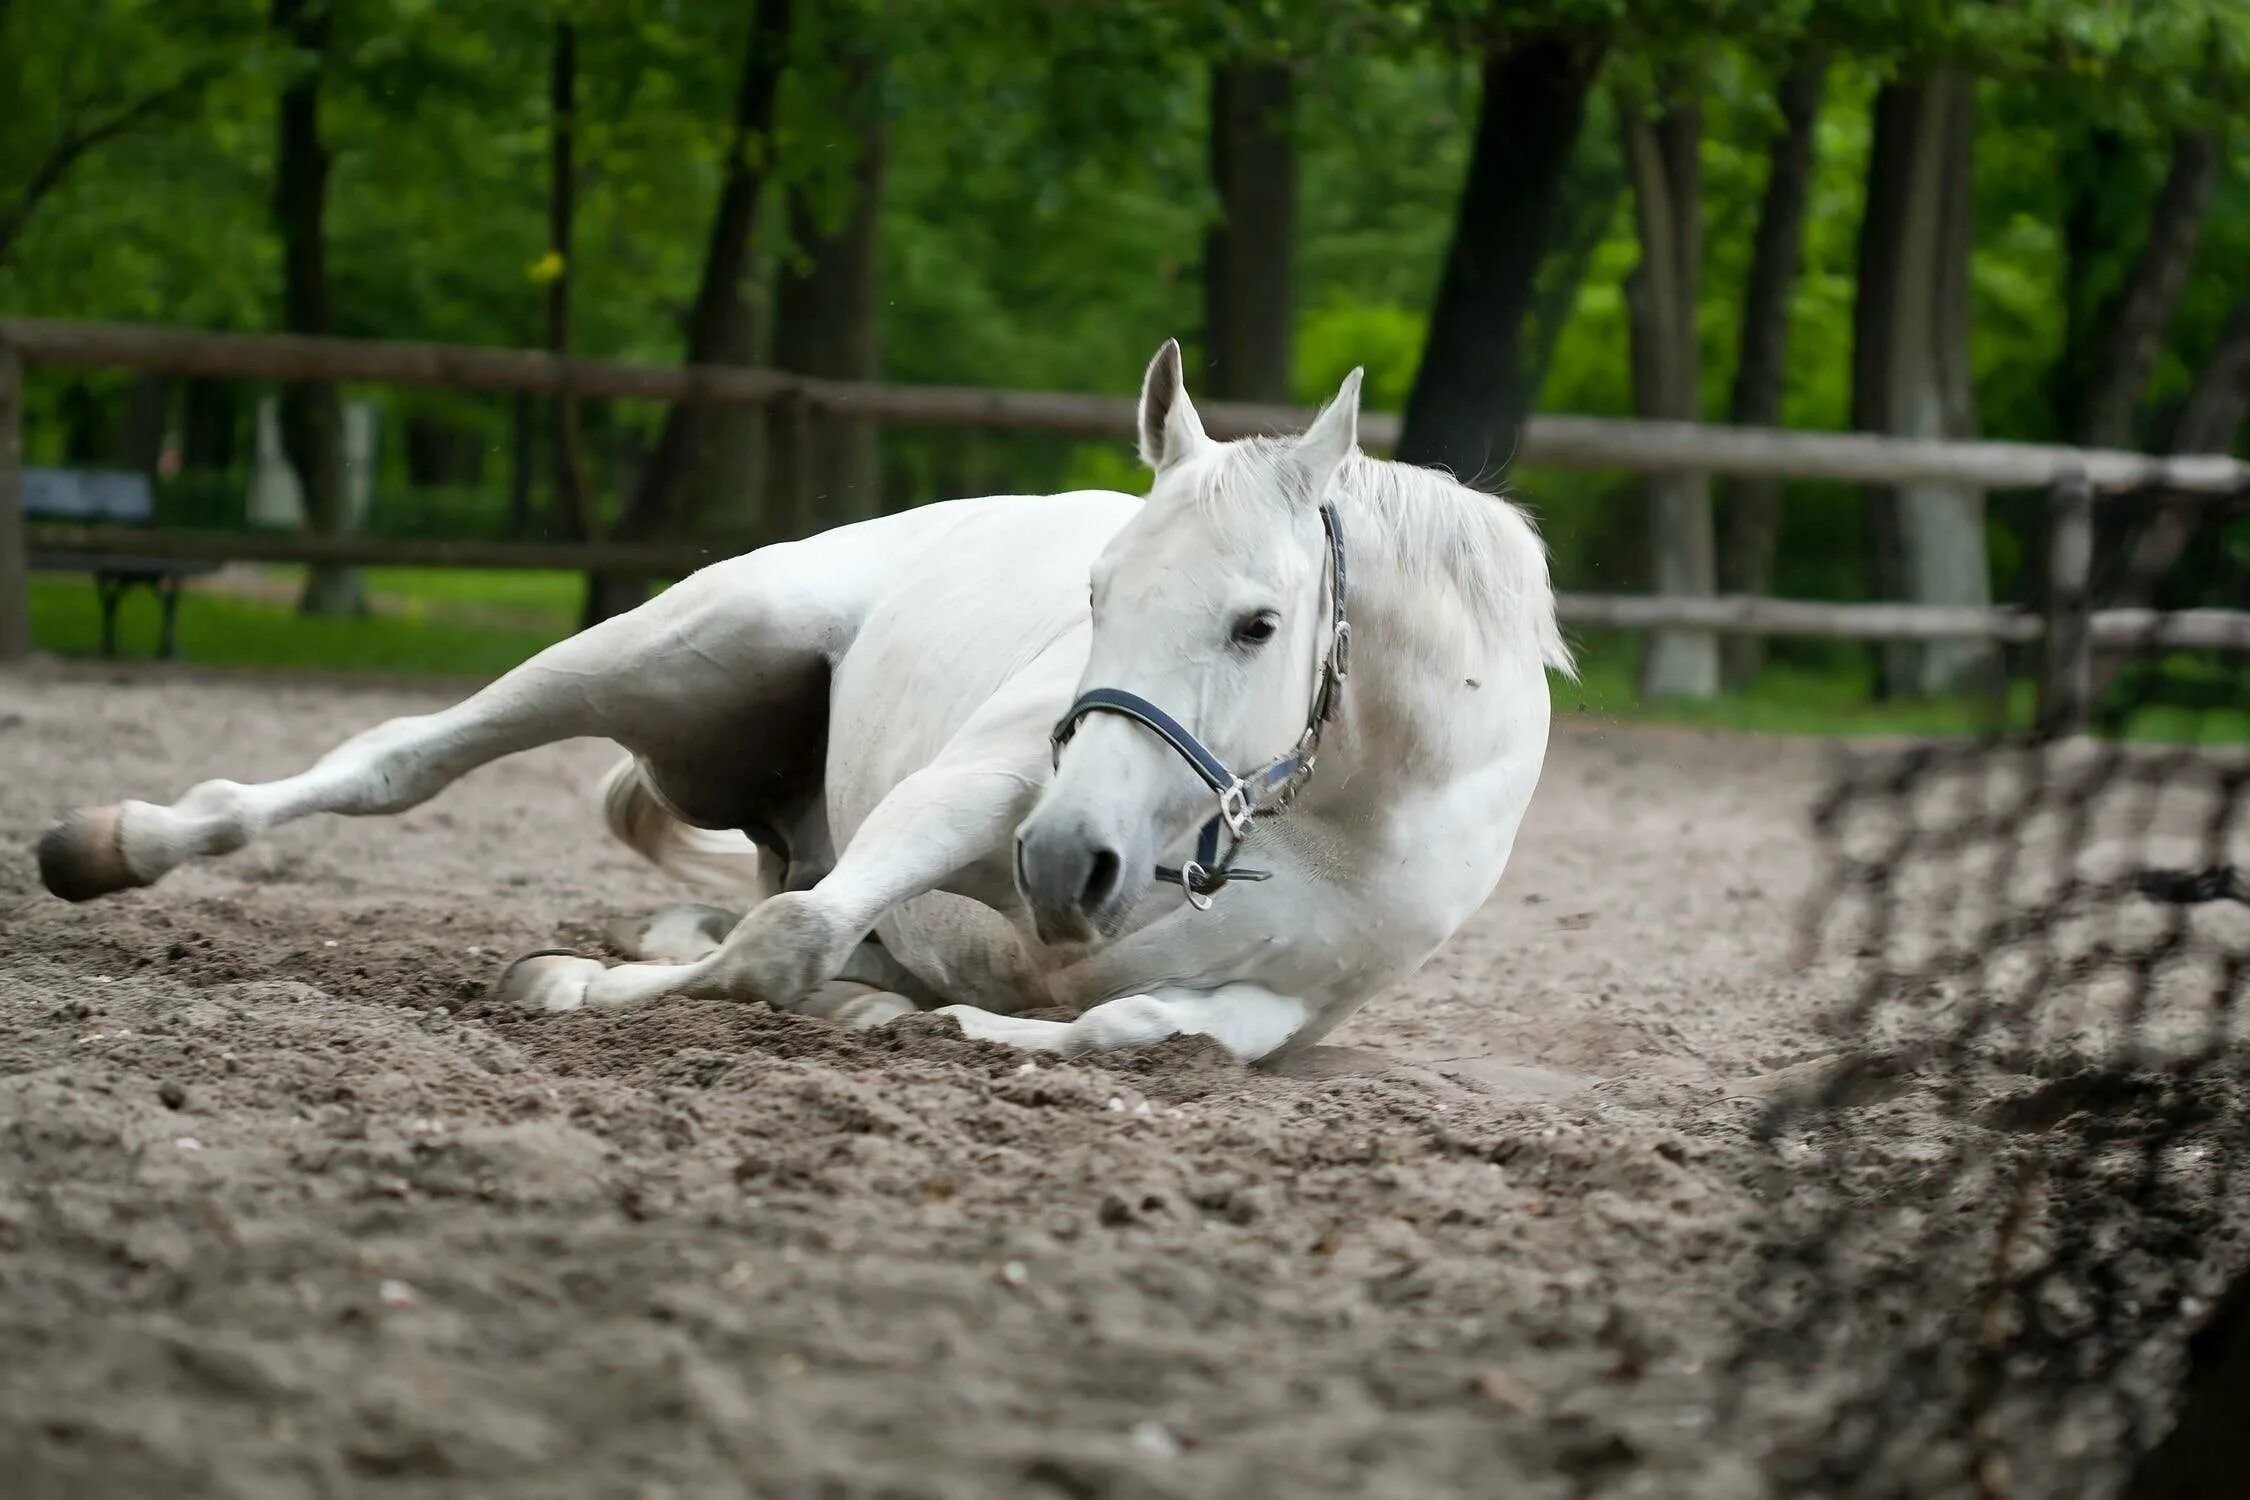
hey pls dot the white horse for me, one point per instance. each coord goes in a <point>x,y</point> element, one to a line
<point>857,736</point>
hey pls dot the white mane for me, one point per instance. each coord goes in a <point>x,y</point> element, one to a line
<point>1421,525</point>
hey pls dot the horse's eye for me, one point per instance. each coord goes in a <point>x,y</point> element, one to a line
<point>1257,629</point>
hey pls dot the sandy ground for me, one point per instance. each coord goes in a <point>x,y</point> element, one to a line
<point>288,1208</point>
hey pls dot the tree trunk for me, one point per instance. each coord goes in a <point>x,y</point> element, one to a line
<point>715,323</point>
<point>1661,160</point>
<point>2112,367</point>
<point>88,432</point>
<point>1469,397</point>
<point>1586,205</point>
<point>522,458</point>
<point>825,469</point>
<point>570,515</point>
<point>211,424</point>
<point>441,453</point>
<point>1910,372</point>
<point>312,418</point>
<point>2159,535</point>
<point>2102,377</point>
<point>1751,518</point>
<point>1250,250</point>
<point>148,409</point>
<point>721,490</point>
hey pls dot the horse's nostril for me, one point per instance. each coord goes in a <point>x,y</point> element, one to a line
<point>1101,880</point>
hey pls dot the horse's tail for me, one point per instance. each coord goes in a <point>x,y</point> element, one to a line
<point>702,857</point>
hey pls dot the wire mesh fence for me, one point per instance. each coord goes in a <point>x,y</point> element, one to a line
<point>2000,1214</point>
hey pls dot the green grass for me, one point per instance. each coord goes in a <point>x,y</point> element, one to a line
<point>216,630</point>
<point>513,591</point>
<point>478,624</point>
<point>1836,698</point>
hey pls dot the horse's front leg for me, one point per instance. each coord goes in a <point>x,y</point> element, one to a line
<point>1248,1020</point>
<point>870,988</point>
<point>960,810</point>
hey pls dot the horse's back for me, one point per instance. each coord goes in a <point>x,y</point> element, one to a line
<point>1002,586</point>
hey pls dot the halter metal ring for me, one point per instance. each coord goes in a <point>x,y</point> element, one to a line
<point>1191,876</point>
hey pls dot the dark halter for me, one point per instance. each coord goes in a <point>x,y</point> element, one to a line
<point>1262,792</point>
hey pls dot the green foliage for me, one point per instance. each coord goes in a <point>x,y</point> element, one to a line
<point>1047,195</point>
<point>1384,338</point>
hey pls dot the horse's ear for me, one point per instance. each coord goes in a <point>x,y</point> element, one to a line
<point>1332,436</point>
<point>1170,429</point>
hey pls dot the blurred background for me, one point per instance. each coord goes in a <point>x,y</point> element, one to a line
<point>2022,221</point>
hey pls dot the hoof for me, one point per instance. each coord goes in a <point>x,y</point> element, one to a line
<point>675,935</point>
<point>552,982</point>
<point>79,857</point>
<point>870,1011</point>
<point>855,1006</point>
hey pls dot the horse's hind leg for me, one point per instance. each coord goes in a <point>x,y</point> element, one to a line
<point>647,676</point>
<point>387,769</point>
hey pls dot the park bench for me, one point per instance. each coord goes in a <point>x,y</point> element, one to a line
<point>109,498</point>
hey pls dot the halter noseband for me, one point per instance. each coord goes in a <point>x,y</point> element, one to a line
<point>1263,792</point>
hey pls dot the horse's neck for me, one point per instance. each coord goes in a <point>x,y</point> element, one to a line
<point>1430,693</point>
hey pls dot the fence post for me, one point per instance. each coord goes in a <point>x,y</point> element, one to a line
<point>15,546</point>
<point>2066,672</point>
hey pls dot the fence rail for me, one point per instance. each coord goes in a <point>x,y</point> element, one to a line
<point>2068,630</point>
<point>1722,614</point>
<point>660,559</point>
<point>1602,443</point>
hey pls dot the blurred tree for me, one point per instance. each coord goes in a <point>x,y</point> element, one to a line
<point>573,517</point>
<point>2110,350</point>
<point>1583,217</point>
<point>312,415</point>
<point>824,468</point>
<point>1250,249</point>
<point>716,330</point>
<point>1075,208</point>
<point>1751,517</point>
<point>1663,153</point>
<point>79,77</point>
<point>1469,394</point>
<point>1910,362</point>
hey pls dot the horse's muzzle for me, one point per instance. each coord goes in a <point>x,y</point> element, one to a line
<point>1077,880</point>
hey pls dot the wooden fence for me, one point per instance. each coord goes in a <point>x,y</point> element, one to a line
<point>2068,630</point>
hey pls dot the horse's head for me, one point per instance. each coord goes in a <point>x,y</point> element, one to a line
<point>1212,605</point>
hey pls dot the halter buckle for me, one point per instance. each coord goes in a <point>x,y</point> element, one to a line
<point>1234,808</point>
<point>1193,875</point>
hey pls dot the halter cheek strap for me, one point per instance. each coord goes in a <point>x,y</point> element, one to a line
<point>1242,798</point>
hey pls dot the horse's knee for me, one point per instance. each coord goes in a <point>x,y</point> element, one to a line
<point>787,945</point>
